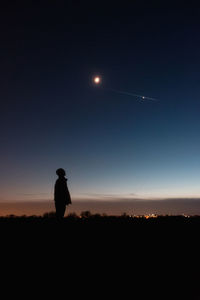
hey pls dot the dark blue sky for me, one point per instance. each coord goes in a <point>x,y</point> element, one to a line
<point>110,144</point>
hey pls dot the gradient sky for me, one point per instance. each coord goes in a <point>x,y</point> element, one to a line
<point>110,144</point>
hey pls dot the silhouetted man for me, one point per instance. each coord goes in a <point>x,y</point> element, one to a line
<point>61,194</point>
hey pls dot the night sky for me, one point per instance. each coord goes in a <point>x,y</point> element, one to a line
<point>112,146</point>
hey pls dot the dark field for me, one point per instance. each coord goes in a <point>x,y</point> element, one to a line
<point>112,255</point>
<point>136,232</point>
<point>127,226</point>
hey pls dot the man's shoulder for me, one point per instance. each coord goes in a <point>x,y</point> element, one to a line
<point>61,181</point>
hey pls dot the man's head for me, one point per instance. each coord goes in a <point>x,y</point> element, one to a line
<point>60,172</point>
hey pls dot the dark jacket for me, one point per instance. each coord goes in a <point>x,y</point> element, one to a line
<point>61,192</point>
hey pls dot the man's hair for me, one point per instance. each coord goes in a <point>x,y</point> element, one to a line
<point>60,172</point>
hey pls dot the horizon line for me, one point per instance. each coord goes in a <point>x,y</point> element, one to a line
<point>101,199</point>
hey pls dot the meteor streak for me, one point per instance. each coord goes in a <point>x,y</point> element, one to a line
<point>133,95</point>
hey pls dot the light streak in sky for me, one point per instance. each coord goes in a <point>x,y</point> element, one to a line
<point>133,95</point>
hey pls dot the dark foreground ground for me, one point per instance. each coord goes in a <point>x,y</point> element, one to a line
<point>155,258</point>
<point>128,233</point>
<point>96,227</point>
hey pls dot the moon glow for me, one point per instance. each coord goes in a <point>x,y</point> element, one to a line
<point>97,80</point>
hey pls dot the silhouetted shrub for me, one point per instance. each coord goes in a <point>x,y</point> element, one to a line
<point>72,215</point>
<point>50,214</point>
<point>86,214</point>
